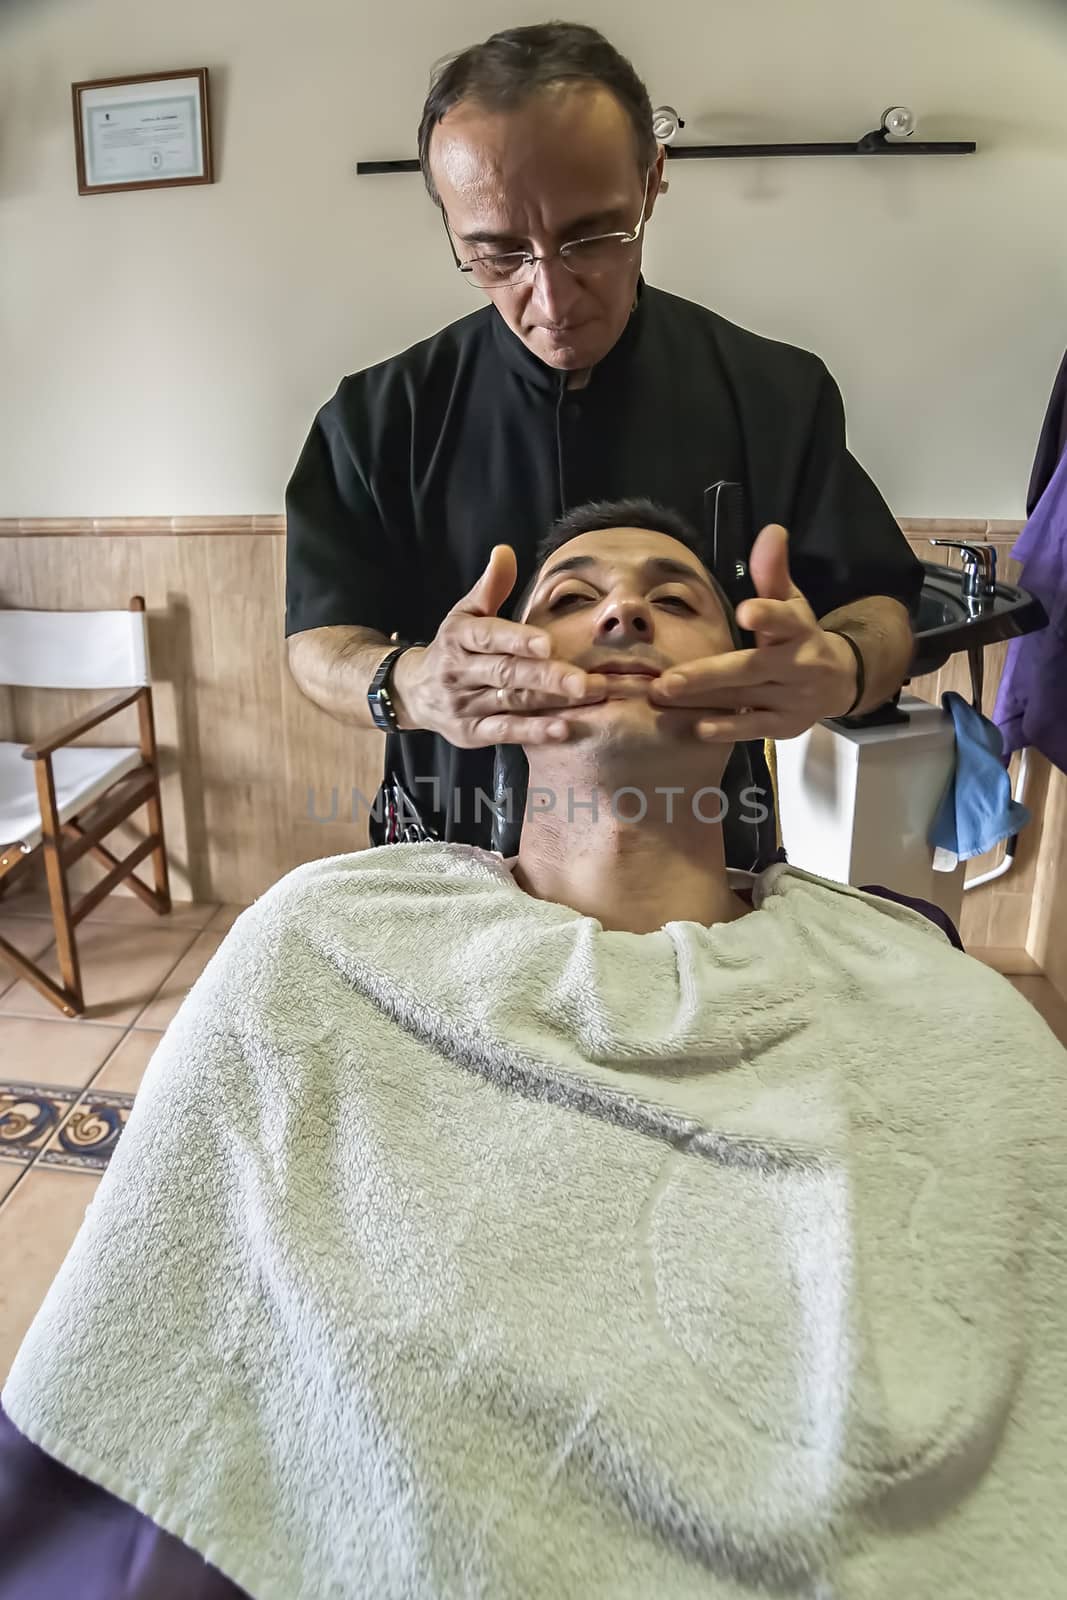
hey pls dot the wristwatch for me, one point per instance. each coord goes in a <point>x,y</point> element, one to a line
<point>379,699</point>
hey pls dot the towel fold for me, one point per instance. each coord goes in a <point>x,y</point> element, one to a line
<point>977,810</point>
<point>457,1246</point>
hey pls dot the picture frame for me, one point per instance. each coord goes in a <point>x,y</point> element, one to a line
<point>149,131</point>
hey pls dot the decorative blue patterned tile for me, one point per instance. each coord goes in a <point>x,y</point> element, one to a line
<point>88,1140</point>
<point>30,1113</point>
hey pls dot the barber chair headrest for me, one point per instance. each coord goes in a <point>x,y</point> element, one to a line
<point>511,775</point>
<point>749,844</point>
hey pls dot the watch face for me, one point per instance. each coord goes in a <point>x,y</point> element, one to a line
<point>381,709</point>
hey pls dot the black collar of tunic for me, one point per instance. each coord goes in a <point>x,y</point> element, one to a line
<point>522,360</point>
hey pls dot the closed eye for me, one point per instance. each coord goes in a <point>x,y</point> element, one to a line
<point>572,598</point>
<point>673,602</point>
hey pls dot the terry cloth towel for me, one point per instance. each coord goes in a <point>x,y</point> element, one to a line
<point>1031,706</point>
<point>459,1247</point>
<point>977,810</point>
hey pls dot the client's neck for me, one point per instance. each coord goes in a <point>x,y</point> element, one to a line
<point>578,849</point>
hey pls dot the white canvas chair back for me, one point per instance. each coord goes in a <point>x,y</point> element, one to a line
<point>73,649</point>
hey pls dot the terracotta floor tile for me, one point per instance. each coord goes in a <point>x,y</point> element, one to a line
<point>120,908</point>
<point>161,1009</point>
<point>38,1221</point>
<point>224,918</point>
<point>26,896</point>
<point>122,969</point>
<point>46,1065</point>
<point>86,1141</point>
<point>128,909</point>
<point>31,936</point>
<point>55,1051</point>
<point>126,1067</point>
<point>10,1172</point>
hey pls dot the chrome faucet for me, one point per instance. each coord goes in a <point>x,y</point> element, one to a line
<point>979,579</point>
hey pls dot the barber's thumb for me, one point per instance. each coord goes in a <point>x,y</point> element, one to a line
<point>768,564</point>
<point>494,585</point>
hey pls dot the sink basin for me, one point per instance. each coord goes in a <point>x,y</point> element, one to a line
<point>945,621</point>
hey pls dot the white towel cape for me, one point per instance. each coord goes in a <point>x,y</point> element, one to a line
<point>457,1247</point>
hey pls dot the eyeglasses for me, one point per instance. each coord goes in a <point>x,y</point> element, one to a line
<point>585,258</point>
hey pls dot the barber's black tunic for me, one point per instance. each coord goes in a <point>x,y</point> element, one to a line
<point>418,466</point>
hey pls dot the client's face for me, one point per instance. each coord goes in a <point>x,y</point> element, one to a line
<point>629,603</point>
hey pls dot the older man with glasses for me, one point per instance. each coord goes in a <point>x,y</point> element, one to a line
<point>415,507</point>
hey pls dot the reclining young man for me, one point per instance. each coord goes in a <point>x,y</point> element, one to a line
<point>594,1224</point>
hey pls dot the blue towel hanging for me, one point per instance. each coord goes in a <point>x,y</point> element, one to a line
<point>977,811</point>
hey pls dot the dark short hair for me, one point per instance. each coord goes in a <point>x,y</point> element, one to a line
<point>600,514</point>
<point>514,64</point>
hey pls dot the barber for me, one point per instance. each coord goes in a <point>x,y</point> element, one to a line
<point>426,481</point>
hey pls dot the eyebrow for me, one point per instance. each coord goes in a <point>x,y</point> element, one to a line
<point>573,229</point>
<point>653,566</point>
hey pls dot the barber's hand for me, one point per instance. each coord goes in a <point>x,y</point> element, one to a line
<point>485,680</point>
<point>796,675</point>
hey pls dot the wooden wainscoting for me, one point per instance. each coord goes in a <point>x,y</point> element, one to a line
<point>1047,938</point>
<point>248,764</point>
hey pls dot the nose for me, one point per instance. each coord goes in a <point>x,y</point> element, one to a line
<point>625,619</point>
<point>555,291</point>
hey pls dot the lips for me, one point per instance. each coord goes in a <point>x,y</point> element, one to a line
<point>629,669</point>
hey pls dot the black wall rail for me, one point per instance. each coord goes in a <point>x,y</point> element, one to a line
<point>872,144</point>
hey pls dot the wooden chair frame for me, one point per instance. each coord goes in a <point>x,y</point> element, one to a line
<point>64,843</point>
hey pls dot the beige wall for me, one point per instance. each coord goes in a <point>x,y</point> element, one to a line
<point>163,353</point>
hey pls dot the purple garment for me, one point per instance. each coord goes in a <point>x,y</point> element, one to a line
<point>64,1538</point>
<point>1053,440</point>
<point>1031,704</point>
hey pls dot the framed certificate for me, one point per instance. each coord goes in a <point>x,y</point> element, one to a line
<point>148,132</point>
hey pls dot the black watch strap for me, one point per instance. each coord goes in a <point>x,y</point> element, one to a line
<point>379,698</point>
<point>380,701</point>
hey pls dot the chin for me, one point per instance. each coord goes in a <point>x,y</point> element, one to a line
<point>562,357</point>
<point>619,725</point>
<point>576,356</point>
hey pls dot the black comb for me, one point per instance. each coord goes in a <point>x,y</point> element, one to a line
<point>727,534</point>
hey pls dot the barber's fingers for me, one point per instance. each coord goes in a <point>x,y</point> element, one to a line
<point>768,565</point>
<point>697,683</point>
<point>483,635</point>
<point>473,625</point>
<point>525,685</point>
<point>760,722</point>
<point>757,696</point>
<point>516,702</point>
<point>486,596</point>
<point>505,729</point>
<point>777,621</point>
